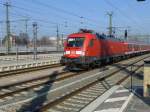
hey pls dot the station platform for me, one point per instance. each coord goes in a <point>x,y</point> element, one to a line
<point>120,99</point>
<point>138,103</point>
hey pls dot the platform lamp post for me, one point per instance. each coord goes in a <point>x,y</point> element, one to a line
<point>131,86</point>
<point>62,40</point>
<point>132,73</point>
<point>16,45</point>
<point>58,39</point>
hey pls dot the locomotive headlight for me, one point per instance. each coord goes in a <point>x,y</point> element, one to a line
<point>80,53</point>
<point>67,52</point>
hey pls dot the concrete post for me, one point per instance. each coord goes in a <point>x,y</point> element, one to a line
<point>146,83</point>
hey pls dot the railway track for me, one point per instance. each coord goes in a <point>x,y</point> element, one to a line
<point>36,85</point>
<point>79,99</point>
<point>10,90</point>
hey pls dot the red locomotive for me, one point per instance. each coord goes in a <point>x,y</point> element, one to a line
<point>87,49</point>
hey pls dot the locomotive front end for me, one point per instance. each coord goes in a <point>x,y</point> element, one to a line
<point>74,51</point>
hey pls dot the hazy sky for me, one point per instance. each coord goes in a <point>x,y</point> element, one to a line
<point>69,14</point>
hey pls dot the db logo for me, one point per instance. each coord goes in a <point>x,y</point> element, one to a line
<point>72,52</point>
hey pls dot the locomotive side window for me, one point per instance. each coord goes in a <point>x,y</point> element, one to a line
<point>75,42</point>
<point>91,43</point>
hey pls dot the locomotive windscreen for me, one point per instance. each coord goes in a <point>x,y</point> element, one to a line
<point>75,42</point>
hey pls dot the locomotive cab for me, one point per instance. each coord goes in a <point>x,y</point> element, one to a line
<point>80,50</point>
<point>74,50</point>
<point>74,47</point>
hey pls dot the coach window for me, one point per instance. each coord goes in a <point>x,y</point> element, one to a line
<point>91,43</point>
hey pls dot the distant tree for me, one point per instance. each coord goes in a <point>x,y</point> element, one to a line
<point>38,42</point>
<point>23,39</point>
<point>4,40</point>
<point>45,41</point>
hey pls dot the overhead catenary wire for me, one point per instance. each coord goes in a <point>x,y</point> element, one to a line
<point>27,10</point>
<point>131,20</point>
<point>40,20</point>
<point>90,22</point>
<point>37,12</point>
<point>64,11</point>
<point>48,21</point>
